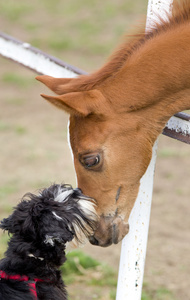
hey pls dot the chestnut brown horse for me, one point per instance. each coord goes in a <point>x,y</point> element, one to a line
<point>117,113</point>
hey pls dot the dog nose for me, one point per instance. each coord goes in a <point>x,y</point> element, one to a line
<point>77,190</point>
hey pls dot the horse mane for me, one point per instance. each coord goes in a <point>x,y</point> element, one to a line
<point>180,15</point>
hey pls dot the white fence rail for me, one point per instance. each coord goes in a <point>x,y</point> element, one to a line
<point>42,63</point>
<point>134,245</point>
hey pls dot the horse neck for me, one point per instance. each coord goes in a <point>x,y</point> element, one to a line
<point>155,81</point>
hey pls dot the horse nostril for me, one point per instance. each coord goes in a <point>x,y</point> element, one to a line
<point>115,234</point>
<point>93,240</point>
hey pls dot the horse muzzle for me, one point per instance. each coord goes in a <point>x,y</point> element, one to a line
<point>110,230</point>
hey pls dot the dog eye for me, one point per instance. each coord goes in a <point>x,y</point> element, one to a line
<point>91,161</point>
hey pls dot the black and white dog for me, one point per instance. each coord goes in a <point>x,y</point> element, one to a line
<point>40,227</point>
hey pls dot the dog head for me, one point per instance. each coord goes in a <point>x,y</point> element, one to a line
<point>58,215</point>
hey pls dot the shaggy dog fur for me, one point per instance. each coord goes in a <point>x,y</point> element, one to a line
<point>40,226</point>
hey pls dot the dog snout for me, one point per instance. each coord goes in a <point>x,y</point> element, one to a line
<point>78,191</point>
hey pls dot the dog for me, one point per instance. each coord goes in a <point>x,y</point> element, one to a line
<point>41,226</point>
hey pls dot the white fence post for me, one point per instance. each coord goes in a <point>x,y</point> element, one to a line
<point>133,251</point>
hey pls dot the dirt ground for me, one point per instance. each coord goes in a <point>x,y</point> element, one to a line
<point>34,153</point>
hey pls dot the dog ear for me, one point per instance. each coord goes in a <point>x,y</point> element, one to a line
<point>20,221</point>
<point>6,224</point>
<point>28,228</point>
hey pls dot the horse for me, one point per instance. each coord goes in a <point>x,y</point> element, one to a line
<point>118,112</point>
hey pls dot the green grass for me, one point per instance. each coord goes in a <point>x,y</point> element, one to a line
<point>3,243</point>
<point>99,275</point>
<point>52,7</point>
<point>169,152</point>
<point>20,130</point>
<point>80,267</point>
<point>60,43</point>
<point>180,192</point>
<point>17,129</point>
<point>95,274</point>
<point>15,10</point>
<point>145,296</point>
<point>17,79</point>
<point>78,262</point>
<point>8,189</point>
<point>4,126</point>
<point>16,101</point>
<point>81,27</point>
<point>160,293</point>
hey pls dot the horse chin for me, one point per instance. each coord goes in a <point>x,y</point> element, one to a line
<point>110,230</point>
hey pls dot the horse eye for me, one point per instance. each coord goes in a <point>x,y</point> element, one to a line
<point>90,161</point>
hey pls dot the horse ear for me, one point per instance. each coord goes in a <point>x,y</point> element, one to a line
<point>54,84</point>
<point>79,103</point>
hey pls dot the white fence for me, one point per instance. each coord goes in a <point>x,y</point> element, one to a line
<point>133,251</point>
<point>134,245</point>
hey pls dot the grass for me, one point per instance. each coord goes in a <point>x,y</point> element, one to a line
<point>4,126</point>
<point>15,101</point>
<point>80,267</point>
<point>3,243</point>
<point>101,275</point>
<point>159,294</point>
<point>169,152</point>
<point>83,27</point>
<point>77,263</point>
<point>13,10</point>
<point>71,29</point>
<point>16,129</point>
<point>60,44</point>
<point>20,130</point>
<point>8,189</point>
<point>96,275</point>
<point>17,79</point>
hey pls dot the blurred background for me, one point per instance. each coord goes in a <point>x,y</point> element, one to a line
<point>34,151</point>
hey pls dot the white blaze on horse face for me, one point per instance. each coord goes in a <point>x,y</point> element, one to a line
<point>110,138</point>
<point>69,144</point>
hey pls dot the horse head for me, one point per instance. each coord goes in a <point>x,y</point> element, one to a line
<point>111,152</point>
<point>117,113</point>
